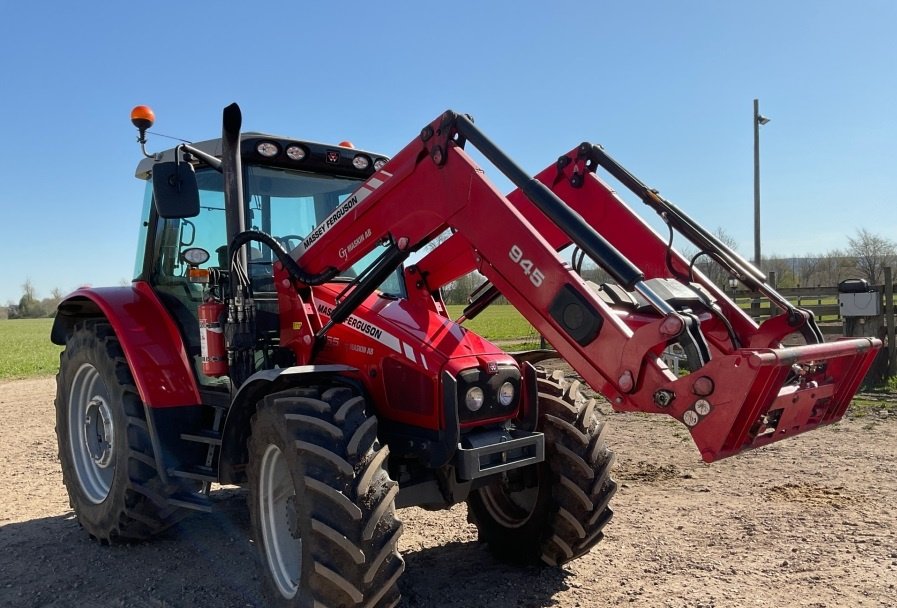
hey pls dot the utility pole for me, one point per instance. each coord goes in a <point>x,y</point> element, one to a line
<point>759,119</point>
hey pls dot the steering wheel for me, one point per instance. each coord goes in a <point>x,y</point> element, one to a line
<point>287,241</point>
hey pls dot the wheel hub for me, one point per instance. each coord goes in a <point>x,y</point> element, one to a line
<point>98,432</point>
<point>511,504</point>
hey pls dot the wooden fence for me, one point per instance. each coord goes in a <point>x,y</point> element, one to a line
<point>823,301</point>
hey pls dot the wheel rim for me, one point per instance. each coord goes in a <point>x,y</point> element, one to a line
<point>283,546</point>
<point>91,433</point>
<point>510,509</point>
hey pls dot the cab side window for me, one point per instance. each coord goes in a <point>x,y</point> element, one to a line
<point>169,271</point>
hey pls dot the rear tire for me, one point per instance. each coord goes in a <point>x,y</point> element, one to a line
<point>322,503</point>
<point>562,508</point>
<point>108,464</point>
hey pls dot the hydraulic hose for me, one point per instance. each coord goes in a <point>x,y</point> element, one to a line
<point>283,257</point>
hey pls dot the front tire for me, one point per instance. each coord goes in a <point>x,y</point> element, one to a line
<point>554,511</point>
<point>108,464</point>
<point>321,501</point>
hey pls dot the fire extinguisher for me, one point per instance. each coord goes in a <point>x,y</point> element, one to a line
<point>211,338</point>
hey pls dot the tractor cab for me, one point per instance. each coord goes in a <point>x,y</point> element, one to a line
<point>289,187</point>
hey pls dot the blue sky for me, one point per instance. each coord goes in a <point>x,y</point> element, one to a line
<point>666,87</point>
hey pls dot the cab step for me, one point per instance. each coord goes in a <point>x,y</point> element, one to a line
<point>209,437</point>
<point>195,502</point>
<point>197,472</point>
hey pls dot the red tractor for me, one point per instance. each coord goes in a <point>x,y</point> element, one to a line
<point>276,335</point>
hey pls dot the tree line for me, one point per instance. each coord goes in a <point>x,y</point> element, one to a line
<point>865,257</point>
<point>29,306</point>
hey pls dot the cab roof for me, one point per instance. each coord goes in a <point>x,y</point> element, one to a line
<point>319,158</point>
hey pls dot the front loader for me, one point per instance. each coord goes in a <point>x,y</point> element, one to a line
<point>286,331</point>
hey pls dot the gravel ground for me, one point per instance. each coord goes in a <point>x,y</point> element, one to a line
<point>807,522</point>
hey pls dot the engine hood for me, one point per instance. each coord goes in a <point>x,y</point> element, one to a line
<point>412,328</point>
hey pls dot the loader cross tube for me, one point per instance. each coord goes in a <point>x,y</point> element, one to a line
<point>673,216</point>
<point>587,238</point>
<point>707,242</point>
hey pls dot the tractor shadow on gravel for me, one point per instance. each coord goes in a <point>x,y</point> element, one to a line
<point>465,574</point>
<point>203,561</point>
<point>208,560</point>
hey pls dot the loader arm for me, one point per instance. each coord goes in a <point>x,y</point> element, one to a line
<point>743,390</point>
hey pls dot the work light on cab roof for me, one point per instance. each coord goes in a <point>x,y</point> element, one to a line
<point>296,152</point>
<point>360,161</point>
<point>267,149</point>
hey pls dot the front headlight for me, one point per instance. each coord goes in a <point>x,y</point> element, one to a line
<point>474,398</point>
<point>506,394</point>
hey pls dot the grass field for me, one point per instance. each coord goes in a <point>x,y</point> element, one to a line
<point>26,350</point>
<point>499,322</point>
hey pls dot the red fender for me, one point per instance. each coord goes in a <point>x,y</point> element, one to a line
<point>149,337</point>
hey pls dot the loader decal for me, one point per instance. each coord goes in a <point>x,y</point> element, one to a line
<point>365,328</point>
<point>345,251</point>
<point>340,212</point>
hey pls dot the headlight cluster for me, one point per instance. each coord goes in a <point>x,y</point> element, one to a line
<point>483,395</point>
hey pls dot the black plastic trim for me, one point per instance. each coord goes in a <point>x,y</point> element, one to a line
<point>528,418</point>
<point>576,315</point>
<point>434,449</point>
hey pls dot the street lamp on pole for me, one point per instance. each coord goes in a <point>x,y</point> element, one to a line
<point>733,285</point>
<point>759,119</point>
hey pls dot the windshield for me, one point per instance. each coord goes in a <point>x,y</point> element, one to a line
<point>283,203</point>
<point>289,204</point>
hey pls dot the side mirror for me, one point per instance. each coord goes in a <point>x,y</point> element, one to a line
<point>175,191</point>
